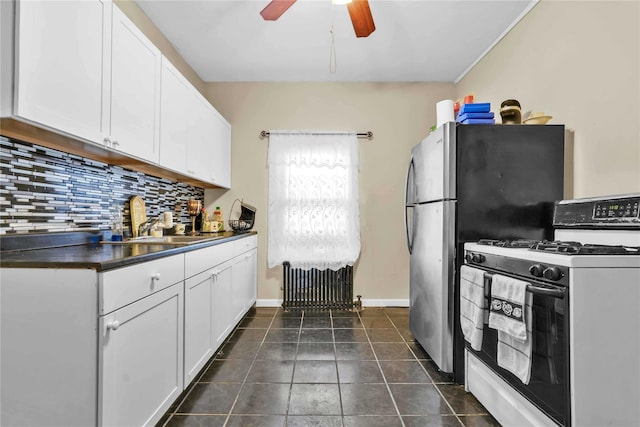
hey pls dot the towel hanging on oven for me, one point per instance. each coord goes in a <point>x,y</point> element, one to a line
<point>506,313</point>
<point>472,305</point>
<point>511,314</point>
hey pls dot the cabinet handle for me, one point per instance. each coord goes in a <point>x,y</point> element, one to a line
<point>155,276</point>
<point>113,325</point>
<point>115,143</point>
<point>107,141</point>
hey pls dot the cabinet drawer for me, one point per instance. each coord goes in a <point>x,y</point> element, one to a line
<point>199,260</point>
<point>128,284</point>
<point>245,244</point>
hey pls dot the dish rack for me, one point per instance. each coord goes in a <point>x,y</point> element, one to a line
<point>240,225</point>
<point>244,219</point>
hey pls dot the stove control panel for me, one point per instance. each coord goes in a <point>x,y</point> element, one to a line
<point>616,209</point>
<point>602,212</point>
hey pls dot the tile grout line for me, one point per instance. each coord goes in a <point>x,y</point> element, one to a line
<point>253,361</point>
<point>384,377</point>
<point>425,371</point>
<point>293,374</point>
<point>335,359</point>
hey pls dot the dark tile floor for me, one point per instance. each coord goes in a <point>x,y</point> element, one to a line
<point>324,368</point>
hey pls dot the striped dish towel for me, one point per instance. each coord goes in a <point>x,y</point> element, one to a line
<point>472,305</point>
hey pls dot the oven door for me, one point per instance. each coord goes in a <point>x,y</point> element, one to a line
<point>548,388</point>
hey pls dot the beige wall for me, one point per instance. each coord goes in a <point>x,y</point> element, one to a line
<point>399,115</point>
<point>138,17</point>
<point>579,62</point>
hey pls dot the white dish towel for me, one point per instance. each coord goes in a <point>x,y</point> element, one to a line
<point>472,305</point>
<point>510,313</point>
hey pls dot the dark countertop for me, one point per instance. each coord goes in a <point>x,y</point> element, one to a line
<point>98,256</point>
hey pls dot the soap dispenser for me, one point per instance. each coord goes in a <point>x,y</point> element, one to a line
<point>117,227</point>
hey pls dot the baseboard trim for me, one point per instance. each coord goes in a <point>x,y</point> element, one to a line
<point>268,303</point>
<point>366,302</point>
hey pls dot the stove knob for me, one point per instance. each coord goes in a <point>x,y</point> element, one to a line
<point>536,270</point>
<point>468,257</point>
<point>478,258</point>
<point>552,273</point>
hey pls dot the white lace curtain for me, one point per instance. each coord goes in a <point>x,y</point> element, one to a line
<point>314,217</point>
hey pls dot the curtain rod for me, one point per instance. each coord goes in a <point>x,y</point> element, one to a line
<point>369,135</point>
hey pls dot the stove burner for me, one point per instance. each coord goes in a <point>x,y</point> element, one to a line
<point>517,244</point>
<point>577,248</point>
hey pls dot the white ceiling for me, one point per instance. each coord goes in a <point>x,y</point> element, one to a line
<point>414,40</point>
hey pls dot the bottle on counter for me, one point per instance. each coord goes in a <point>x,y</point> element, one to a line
<point>198,222</point>
<point>206,221</point>
<point>217,217</point>
<point>217,214</point>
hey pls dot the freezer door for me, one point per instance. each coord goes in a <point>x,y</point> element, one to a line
<point>434,162</point>
<point>432,281</point>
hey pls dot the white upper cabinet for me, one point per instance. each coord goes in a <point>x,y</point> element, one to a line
<point>194,137</point>
<point>174,116</point>
<point>83,69</point>
<point>60,66</point>
<point>135,91</point>
<point>221,163</point>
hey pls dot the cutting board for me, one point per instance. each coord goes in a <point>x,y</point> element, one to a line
<point>138,214</point>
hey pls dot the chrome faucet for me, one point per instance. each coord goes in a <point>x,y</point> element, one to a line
<point>145,226</point>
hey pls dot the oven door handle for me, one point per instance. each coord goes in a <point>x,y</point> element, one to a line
<point>555,293</point>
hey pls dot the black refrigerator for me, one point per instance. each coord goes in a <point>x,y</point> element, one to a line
<point>466,183</point>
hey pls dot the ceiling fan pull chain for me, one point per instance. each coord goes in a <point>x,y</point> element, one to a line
<point>332,58</point>
<point>332,54</point>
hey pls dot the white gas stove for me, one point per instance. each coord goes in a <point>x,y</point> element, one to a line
<point>586,295</point>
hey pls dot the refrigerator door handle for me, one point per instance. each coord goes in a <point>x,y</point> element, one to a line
<point>408,205</point>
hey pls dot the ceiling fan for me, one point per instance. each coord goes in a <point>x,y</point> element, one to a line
<point>358,11</point>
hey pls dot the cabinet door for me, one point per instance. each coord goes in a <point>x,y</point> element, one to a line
<point>199,340</point>
<point>60,65</point>
<point>223,316</point>
<point>174,110</point>
<point>141,364</point>
<point>199,138</point>
<point>244,282</point>
<point>252,278</point>
<point>220,169</point>
<point>135,89</point>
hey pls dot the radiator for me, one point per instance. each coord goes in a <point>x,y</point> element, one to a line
<point>317,289</point>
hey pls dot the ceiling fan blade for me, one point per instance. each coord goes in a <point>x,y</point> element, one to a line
<point>361,18</point>
<point>275,9</point>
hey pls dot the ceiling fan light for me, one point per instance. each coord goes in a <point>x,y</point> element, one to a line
<point>340,1</point>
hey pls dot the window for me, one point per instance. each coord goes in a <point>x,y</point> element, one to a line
<point>313,200</point>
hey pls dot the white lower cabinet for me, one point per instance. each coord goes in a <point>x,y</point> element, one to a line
<point>208,317</point>
<point>198,323</point>
<point>219,290</point>
<point>244,283</point>
<point>116,348</point>
<point>141,359</point>
<point>222,296</point>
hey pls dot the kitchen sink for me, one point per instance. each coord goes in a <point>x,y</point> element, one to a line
<point>165,240</point>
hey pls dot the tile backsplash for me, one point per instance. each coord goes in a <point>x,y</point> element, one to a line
<point>46,190</point>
